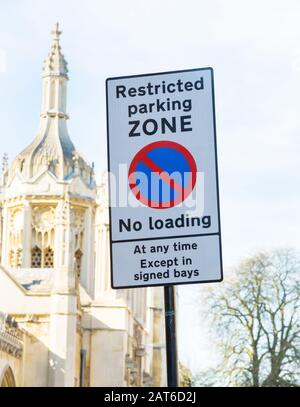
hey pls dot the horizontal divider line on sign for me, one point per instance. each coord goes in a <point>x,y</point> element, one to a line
<point>164,237</point>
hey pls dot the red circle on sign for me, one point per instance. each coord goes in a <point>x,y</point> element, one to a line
<point>141,156</point>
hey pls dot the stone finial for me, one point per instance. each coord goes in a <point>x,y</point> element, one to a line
<point>55,63</point>
<point>76,158</point>
<point>92,172</point>
<point>4,162</point>
<point>55,32</point>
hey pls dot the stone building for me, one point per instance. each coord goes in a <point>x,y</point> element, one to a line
<point>11,351</point>
<point>71,328</point>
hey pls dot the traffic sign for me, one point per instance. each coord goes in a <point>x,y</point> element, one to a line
<point>162,174</point>
<point>164,198</point>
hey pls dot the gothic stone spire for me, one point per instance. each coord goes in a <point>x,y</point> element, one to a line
<point>52,148</point>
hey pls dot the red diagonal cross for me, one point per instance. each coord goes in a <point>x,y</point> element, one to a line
<point>161,173</point>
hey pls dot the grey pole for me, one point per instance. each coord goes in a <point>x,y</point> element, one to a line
<point>171,339</point>
<point>82,367</point>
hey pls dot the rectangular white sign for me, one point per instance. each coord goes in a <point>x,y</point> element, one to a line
<point>163,181</point>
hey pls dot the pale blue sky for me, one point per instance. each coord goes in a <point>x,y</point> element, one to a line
<point>254,48</point>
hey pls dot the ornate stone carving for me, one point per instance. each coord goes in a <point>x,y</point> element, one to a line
<point>77,219</point>
<point>62,213</point>
<point>16,219</point>
<point>43,218</point>
<point>11,336</point>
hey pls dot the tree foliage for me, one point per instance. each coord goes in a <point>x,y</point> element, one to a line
<point>185,376</point>
<point>256,316</point>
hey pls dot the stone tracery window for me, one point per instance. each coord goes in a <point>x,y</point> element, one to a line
<point>48,257</point>
<point>15,237</point>
<point>77,223</point>
<point>11,258</point>
<point>19,258</point>
<point>8,379</point>
<point>36,257</point>
<point>78,256</point>
<point>43,234</point>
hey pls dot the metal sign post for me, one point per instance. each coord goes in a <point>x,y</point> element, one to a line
<point>171,337</point>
